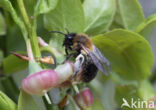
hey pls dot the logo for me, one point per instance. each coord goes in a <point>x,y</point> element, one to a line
<point>125,103</point>
<point>137,103</point>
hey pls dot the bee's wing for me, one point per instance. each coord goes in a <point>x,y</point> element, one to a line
<point>105,63</point>
<point>99,60</point>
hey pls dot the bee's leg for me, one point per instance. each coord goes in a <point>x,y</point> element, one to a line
<point>66,50</point>
<point>72,55</point>
<point>69,56</point>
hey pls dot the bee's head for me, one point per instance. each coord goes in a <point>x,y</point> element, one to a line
<point>68,41</point>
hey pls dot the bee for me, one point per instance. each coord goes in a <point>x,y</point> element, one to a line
<point>89,58</point>
<point>84,69</point>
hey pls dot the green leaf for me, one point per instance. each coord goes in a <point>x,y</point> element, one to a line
<point>144,92</point>
<point>131,13</point>
<point>6,103</point>
<point>6,5</point>
<point>104,91</point>
<point>30,6</point>
<point>117,21</point>
<point>97,105</point>
<point>9,87</point>
<point>45,6</point>
<point>14,41</point>
<point>129,53</point>
<point>26,102</point>
<point>98,15</point>
<point>68,14</point>
<point>2,25</point>
<point>115,25</point>
<point>34,67</point>
<point>127,92</point>
<point>13,64</point>
<point>119,81</point>
<point>145,28</point>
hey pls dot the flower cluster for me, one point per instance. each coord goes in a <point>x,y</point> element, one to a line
<point>41,80</point>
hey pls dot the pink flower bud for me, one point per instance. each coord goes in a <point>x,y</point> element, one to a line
<point>40,82</point>
<point>84,99</point>
<point>41,42</point>
<point>65,71</point>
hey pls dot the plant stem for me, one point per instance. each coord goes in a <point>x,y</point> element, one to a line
<point>49,106</point>
<point>34,43</point>
<point>31,29</point>
<point>72,102</point>
<point>47,98</point>
<point>76,88</point>
<point>24,15</point>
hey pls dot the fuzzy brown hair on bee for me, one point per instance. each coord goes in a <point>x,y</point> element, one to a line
<point>82,44</point>
<point>84,40</point>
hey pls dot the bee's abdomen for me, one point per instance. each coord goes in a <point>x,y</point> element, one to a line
<point>90,71</point>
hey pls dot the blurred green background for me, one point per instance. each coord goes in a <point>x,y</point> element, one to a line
<point>127,48</point>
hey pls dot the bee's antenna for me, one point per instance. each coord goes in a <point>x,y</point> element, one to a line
<point>58,32</point>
